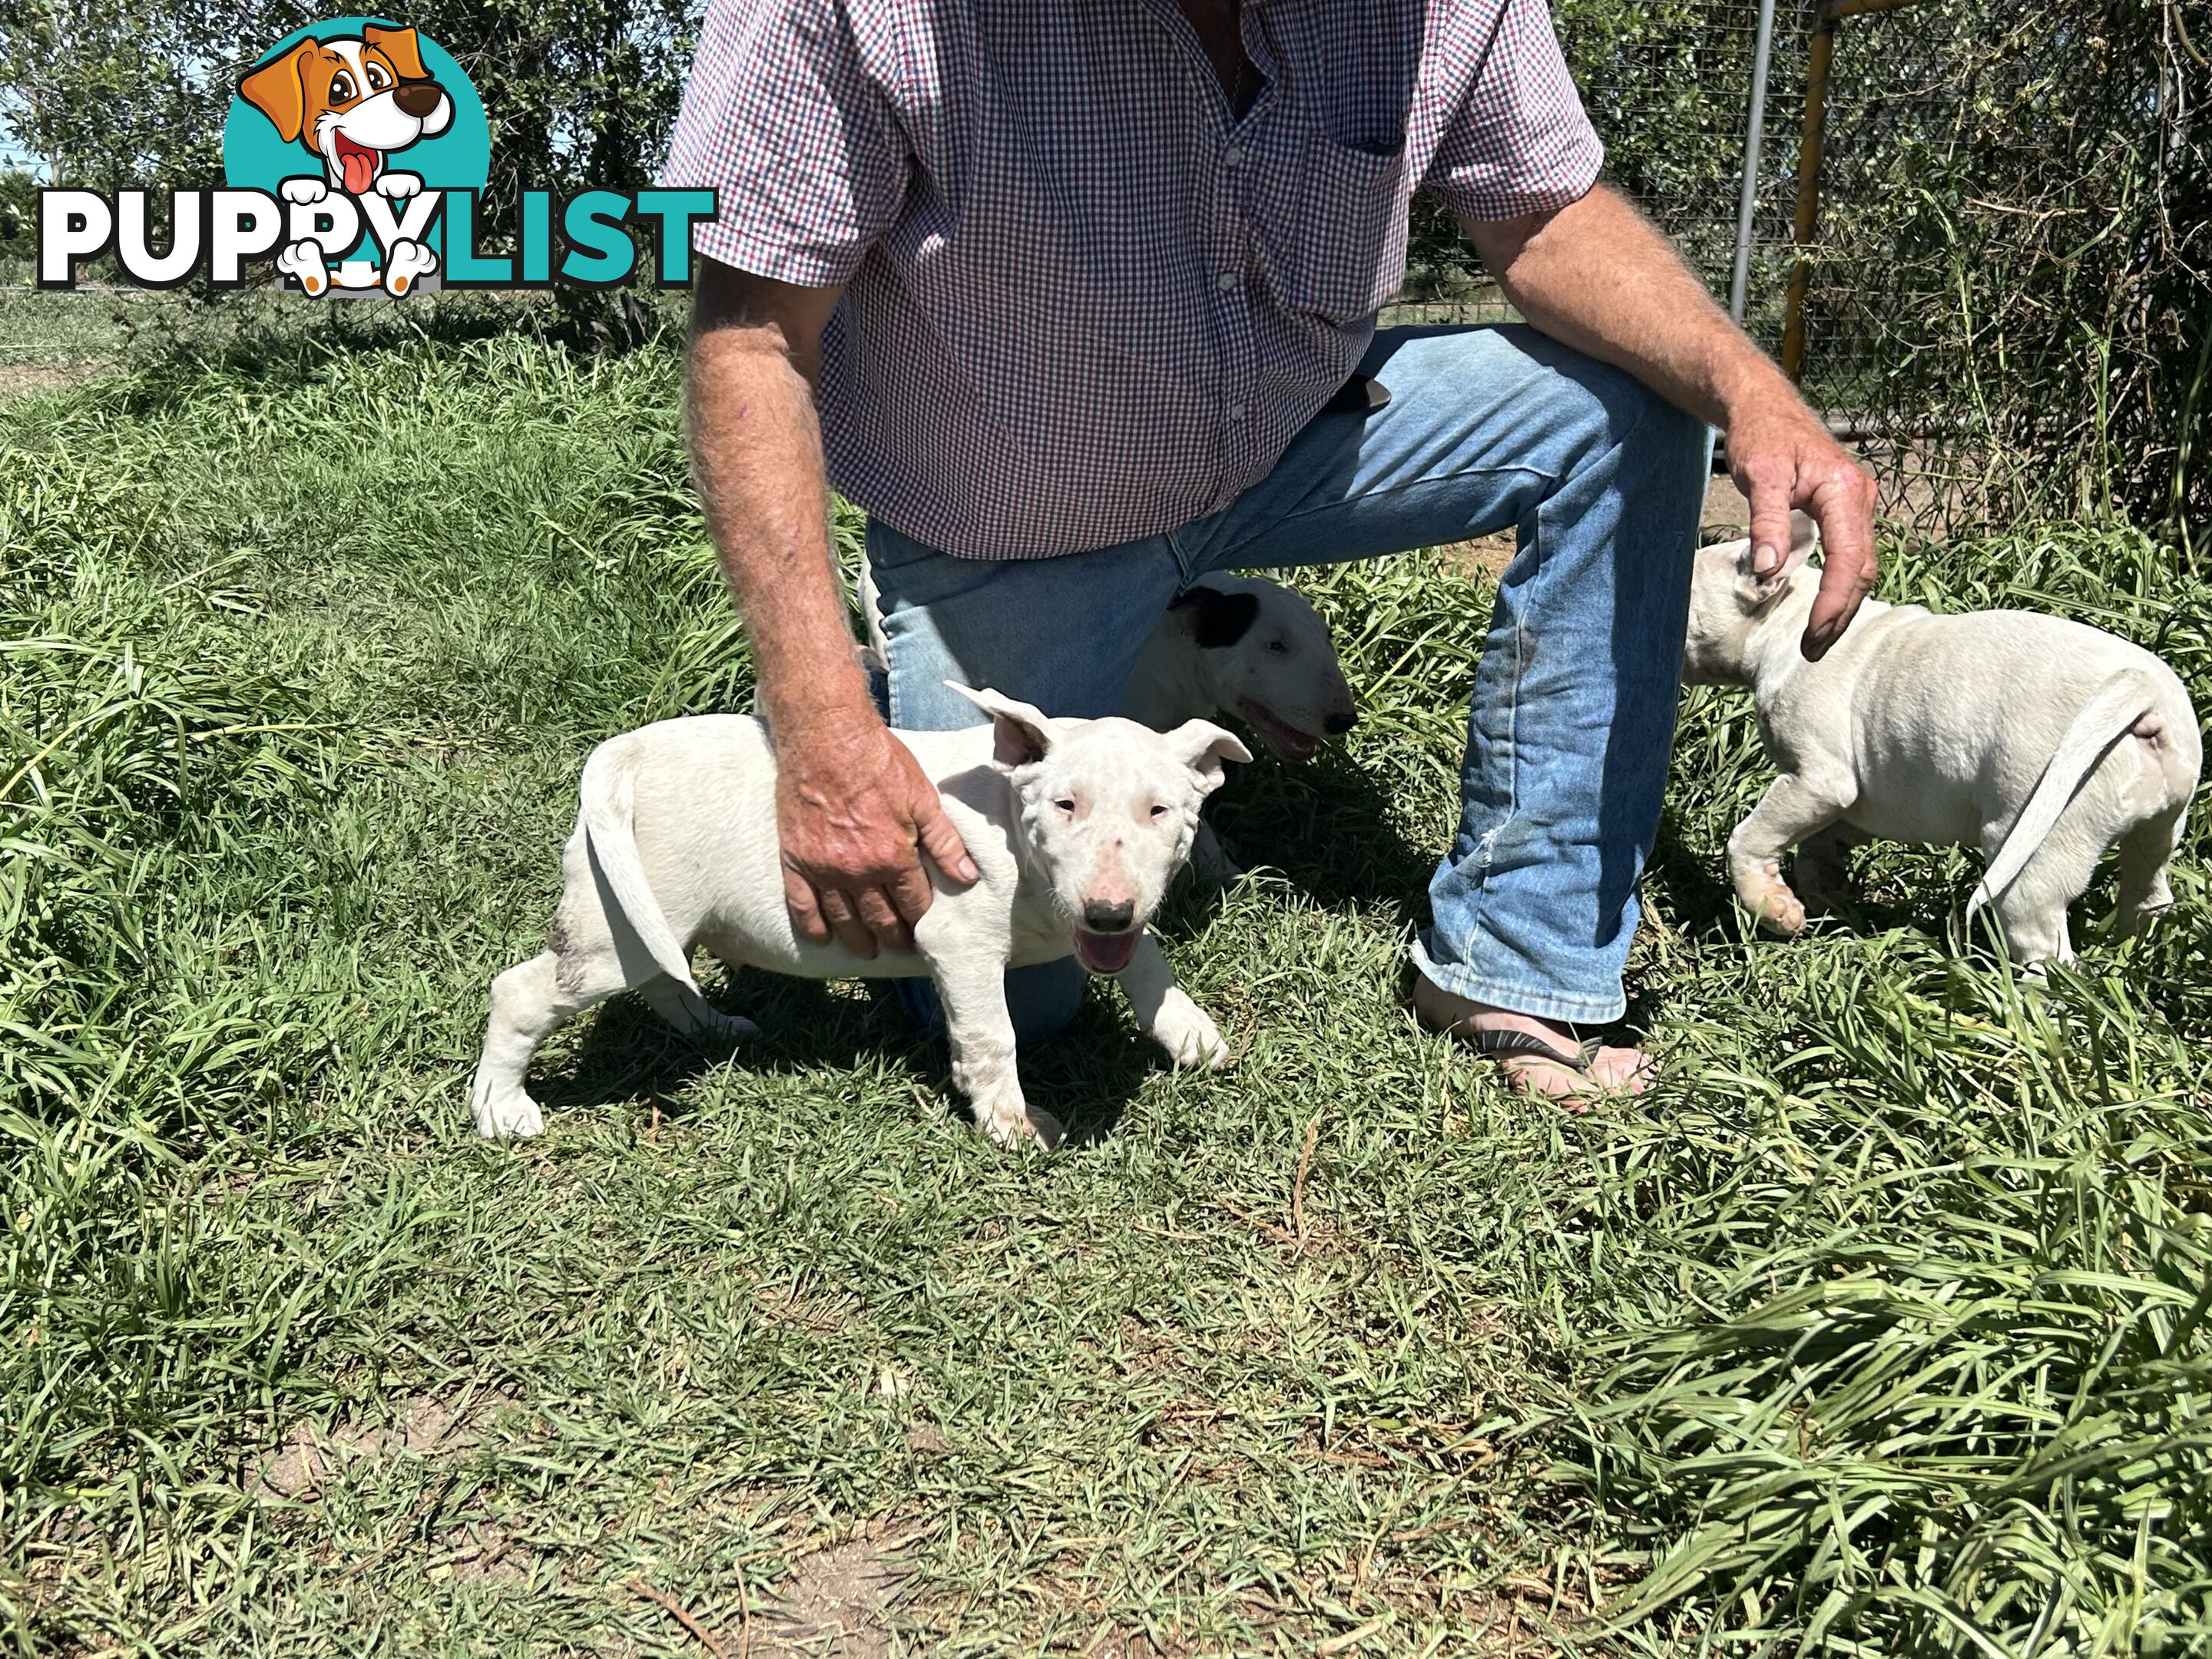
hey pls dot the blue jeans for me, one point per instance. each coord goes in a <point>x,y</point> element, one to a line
<point>1603,481</point>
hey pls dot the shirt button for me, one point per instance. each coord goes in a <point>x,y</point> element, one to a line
<point>1235,411</point>
<point>1227,280</point>
<point>1232,157</point>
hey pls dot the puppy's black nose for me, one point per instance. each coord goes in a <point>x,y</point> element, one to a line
<point>1103,918</point>
<point>419,98</point>
<point>1340,723</point>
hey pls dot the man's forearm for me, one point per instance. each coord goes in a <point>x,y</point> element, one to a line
<point>1595,276</point>
<point>756,455</point>
<point>1635,305</point>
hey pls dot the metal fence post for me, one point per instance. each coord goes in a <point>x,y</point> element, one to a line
<point>1809,188</point>
<point>1831,13</point>
<point>1755,128</point>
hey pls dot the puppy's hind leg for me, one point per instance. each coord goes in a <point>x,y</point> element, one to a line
<point>2144,851</point>
<point>2032,909</point>
<point>527,1001</point>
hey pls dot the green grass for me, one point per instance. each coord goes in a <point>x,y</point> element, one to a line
<point>1879,1327</point>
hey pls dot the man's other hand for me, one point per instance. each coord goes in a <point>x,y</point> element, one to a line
<point>1782,456</point>
<point>854,813</point>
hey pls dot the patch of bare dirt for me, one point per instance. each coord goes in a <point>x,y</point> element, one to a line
<point>482,1552</point>
<point>1725,508</point>
<point>20,380</point>
<point>1484,556</point>
<point>422,1425</point>
<point>837,1601</point>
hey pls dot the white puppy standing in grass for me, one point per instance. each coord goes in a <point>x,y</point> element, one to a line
<point>1077,827</point>
<point>2040,740</point>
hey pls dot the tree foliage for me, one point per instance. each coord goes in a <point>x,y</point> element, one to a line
<point>2016,209</point>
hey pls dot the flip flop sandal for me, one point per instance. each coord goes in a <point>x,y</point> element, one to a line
<point>1505,1043</point>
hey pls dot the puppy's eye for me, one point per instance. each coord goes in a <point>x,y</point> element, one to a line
<point>1159,810</point>
<point>1067,806</point>
<point>1280,647</point>
<point>341,87</point>
<point>378,80</point>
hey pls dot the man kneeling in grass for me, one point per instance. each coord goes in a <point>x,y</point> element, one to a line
<point>1077,301</point>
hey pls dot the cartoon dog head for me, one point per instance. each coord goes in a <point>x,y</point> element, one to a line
<point>351,100</point>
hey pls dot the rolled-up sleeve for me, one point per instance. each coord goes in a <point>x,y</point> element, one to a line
<point>785,121</point>
<point>1521,143</point>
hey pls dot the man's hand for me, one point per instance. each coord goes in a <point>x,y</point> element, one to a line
<point>1595,275</point>
<point>854,813</point>
<point>1782,456</point>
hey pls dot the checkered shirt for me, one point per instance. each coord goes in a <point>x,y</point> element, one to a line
<point>1084,302</point>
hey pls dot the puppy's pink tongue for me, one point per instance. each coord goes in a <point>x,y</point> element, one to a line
<point>1106,953</point>
<point>360,170</point>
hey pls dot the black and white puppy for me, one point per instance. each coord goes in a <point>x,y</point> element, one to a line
<point>1244,645</point>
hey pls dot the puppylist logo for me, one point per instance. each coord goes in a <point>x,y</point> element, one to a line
<point>355,155</point>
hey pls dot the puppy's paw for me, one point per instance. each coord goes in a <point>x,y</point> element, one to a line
<point>302,261</point>
<point>1190,1035</point>
<point>1005,1118</point>
<point>404,264</point>
<point>511,1116</point>
<point>1761,890</point>
<point>398,185</point>
<point>305,191</point>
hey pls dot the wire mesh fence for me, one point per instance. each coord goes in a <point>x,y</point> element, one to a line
<point>2008,293</point>
<point>2005,301</point>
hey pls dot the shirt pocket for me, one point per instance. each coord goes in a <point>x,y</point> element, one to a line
<point>1343,256</point>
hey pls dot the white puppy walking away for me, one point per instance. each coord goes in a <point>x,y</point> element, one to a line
<point>2040,740</point>
<point>1078,827</point>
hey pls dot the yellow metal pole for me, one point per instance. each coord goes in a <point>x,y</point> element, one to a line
<point>1808,190</point>
<point>1809,167</point>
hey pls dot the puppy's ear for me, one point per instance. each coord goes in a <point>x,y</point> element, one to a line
<point>1804,532</point>
<point>1021,734</point>
<point>1202,746</point>
<point>401,46</point>
<point>1755,592</point>
<point>279,91</point>
<point>1214,619</point>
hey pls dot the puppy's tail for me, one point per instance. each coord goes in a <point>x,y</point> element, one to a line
<point>2104,721</point>
<point>608,793</point>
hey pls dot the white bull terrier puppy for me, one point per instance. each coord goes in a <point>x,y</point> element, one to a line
<point>2040,740</point>
<point>1241,645</point>
<point>1255,648</point>
<point>1077,826</point>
